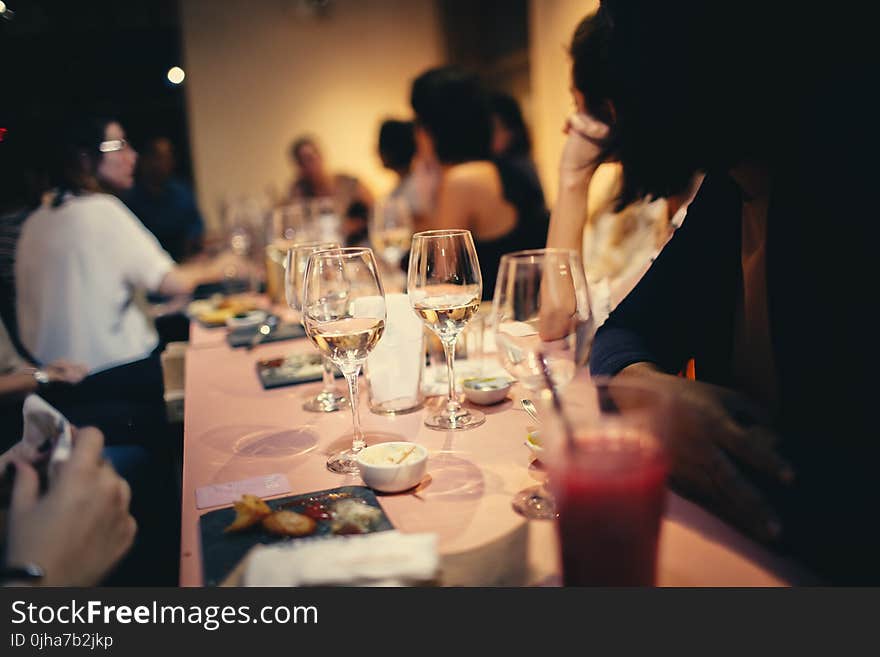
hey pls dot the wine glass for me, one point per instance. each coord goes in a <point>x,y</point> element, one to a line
<point>391,229</point>
<point>325,219</point>
<point>245,218</point>
<point>543,329</point>
<point>329,399</point>
<point>289,222</point>
<point>344,316</point>
<point>445,287</point>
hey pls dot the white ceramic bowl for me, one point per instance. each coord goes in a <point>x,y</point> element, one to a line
<point>251,318</point>
<point>380,471</point>
<point>486,390</point>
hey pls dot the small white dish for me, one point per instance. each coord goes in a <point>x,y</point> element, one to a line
<point>246,320</point>
<point>486,391</point>
<point>533,442</point>
<point>393,467</point>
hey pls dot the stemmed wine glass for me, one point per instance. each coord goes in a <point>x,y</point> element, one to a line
<point>543,328</point>
<point>445,287</point>
<point>344,316</point>
<point>329,399</point>
<point>390,230</point>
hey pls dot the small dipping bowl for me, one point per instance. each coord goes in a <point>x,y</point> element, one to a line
<point>380,470</point>
<point>247,319</point>
<point>486,391</point>
<point>533,442</point>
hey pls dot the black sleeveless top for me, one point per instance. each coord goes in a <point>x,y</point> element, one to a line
<point>521,188</point>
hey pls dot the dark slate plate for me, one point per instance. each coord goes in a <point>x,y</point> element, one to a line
<point>222,552</point>
<point>242,337</point>
<point>290,370</point>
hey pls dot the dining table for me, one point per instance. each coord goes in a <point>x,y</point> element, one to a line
<point>234,429</point>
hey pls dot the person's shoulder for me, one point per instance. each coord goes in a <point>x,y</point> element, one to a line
<point>94,205</point>
<point>471,175</point>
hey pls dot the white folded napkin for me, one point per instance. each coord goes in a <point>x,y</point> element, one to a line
<point>41,422</point>
<point>394,367</point>
<point>386,558</point>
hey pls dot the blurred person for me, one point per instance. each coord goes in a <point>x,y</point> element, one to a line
<point>165,204</point>
<point>764,283</point>
<point>618,244</point>
<point>314,181</point>
<point>24,177</point>
<point>415,182</point>
<point>510,137</point>
<point>489,197</point>
<point>78,530</point>
<point>83,257</point>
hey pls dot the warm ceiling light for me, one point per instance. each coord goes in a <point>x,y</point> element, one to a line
<point>176,75</point>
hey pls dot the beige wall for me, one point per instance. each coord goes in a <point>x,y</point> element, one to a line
<point>551,25</point>
<point>259,73</point>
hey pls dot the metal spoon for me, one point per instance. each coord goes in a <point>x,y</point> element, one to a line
<point>529,408</point>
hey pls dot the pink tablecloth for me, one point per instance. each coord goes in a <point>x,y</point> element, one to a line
<point>234,429</point>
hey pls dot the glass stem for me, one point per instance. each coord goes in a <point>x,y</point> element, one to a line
<point>329,379</point>
<point>452,404</point>
<point>351,377</point>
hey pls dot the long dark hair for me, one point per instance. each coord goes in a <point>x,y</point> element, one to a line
<point>589,65</point>
<point>697,86</point>
<point>505,107</point>
<point>453,107</point>
<point>75,163</point>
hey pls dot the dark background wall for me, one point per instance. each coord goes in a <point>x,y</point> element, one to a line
<point>108,57</point>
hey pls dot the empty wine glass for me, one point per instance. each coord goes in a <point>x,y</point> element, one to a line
<point>289,222</point>
<point>344,316</point>
<point>445,287</point>
<point>543,326</point>
<point>330,399</point>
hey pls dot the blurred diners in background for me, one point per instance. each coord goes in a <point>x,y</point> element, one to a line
<point>164,203</point>
<point>352,201</point>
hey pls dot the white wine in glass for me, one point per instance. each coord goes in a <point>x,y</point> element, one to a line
<point>391,229</point>
<point>543,328</point>
<point>330,399</point>
<point>344,317</point>
<point>445,287</point>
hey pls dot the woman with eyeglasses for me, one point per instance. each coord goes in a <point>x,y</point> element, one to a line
<point>83,256</point>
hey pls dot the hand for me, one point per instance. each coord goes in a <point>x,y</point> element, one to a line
<point>81,528</point>
<point>66,372</point>
<point>582,149</point>
<point>715,432</point>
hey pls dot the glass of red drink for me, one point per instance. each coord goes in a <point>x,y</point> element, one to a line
<point>609,481</point>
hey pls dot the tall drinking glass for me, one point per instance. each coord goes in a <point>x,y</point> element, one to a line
<point>541,317</point>
<point>608,445</point>
<point>391,230</point>
<point>330,399</point>
<point>445,287</point>
<point>344,316</point>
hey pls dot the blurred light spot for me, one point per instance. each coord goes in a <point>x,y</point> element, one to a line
<point>176,75</point>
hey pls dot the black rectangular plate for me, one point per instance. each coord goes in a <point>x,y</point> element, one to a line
<point>222,552</point>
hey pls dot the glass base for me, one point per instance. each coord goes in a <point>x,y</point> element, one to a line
<point>326,402</point>
<point>535,503</point>
<point>463,420</point>
<point>400,406</point>
<point>343,463</point>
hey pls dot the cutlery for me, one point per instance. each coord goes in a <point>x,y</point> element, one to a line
<point>264,330</point>
<point>529,408</point>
